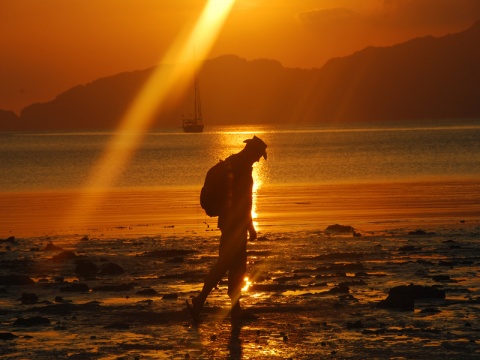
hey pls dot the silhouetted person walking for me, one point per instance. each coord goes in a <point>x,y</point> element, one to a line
<point>235,223</point>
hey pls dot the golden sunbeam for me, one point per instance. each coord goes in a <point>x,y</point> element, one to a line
<point>149,101</point>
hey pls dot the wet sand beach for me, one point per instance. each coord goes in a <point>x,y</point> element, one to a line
<point>114,285</point>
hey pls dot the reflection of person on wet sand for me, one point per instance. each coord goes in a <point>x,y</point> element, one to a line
<point>235,222</point>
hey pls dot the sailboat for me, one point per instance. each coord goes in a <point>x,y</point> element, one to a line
<point>194,124</point>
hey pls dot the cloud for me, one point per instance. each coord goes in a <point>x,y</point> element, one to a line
<point>395,14</point>
<point>327,17</point>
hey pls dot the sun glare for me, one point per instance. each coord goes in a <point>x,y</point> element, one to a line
<point>151,99</point>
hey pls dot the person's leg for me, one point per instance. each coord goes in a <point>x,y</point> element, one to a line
<point>215,274</point>
<point>236,274</point>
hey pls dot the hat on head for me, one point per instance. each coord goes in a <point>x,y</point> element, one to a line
<point>257,145</point>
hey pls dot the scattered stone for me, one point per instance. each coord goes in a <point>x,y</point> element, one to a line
<point>409,248</point>
<point>120,287</point>
<point>111,269</point>
<point>86,268</point>
<point>118,326</point>
<point>167,253</point>
<point>420,232</point>
<point>148,292</point>
<point>403,296</point>
<point>64,255</point>
<point>7,336</point>
<point>10,240</point>
<point>355,325</point>
<point>51,247</point>
<point>441,278</point>
<point>15,280</point>
<point>29,299</point>
<point>431,310</point>
<point>75,287</point>
<point>340,229</point>
<point>170,297</point>
<point>340,289</point>
<point>33,321</point>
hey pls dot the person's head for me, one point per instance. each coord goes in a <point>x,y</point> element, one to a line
<point>256,148</point>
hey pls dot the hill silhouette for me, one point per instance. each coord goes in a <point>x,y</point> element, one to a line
<point>425,78</point>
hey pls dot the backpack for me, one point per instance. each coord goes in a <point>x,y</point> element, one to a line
<point>215,191</point>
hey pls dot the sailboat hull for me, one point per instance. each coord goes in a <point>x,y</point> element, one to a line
<point>193,128</point>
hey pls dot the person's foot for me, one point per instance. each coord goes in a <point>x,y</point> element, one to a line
<point>194,309</point>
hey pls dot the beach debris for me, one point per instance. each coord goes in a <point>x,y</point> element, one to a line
<point>86,268</point>
<point>28,299</point>
<point>7,336</point>
<point>430,311</point>
<point>64,255</point>
<point>148,292</point>
<point>75,287</point>
<point>33,321</point>
<point>403,297</point>
<point>111,269</point>
<point>355,325</point>
<point>15,280</point>
<point>119,287</point>
<point>340,289</point>
<point>52,247</point>
<point>408,248</point>
<point>340,229</point>
<point>442,278</point>
<point>167,253</point>
<point>118,326</point>
<point>10,240</point>
<point>171,296</point>
<point>420,232</point>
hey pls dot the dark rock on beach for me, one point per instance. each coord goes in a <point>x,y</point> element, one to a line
<point>420,233</point>
<point>86,268</point>
<point>51,247</point>
<point>172,296</point>
<point>75,287</point>
<point>7,336</point>
<point>167,253</point>
<point>33,321</point>
<point>15,280</point>
<point>120,287</point>
<point>111,269</point>
<point>340,229</point>
<point>408,248</point>
<point>28,299</point>
<point>403,297</point>
<point>10,240</point>
<point>148,292</point>
<point>64,255</point>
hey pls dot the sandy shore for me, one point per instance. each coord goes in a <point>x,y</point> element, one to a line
<point>114,286</point>
<point>167,211</point>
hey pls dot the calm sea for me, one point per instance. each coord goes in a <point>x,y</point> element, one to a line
<point>296,155</point>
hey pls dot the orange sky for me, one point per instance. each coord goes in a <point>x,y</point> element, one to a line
<point>48,46</point>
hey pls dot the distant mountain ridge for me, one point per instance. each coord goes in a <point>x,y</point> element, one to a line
<point>424,78</point>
